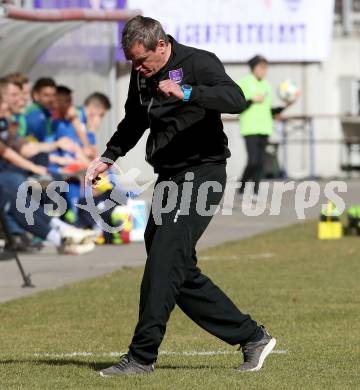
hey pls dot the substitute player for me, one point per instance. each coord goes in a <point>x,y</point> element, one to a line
<point>256,121</point>
<point>179,92</point>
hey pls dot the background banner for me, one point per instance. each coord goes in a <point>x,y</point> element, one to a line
<point>281,30</point>
<point>92,42</point>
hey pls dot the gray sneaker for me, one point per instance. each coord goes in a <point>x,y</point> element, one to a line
<point>127,365</point>
<point>255,352</point>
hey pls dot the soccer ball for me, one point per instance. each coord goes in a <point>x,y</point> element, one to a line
<point>288,91</point>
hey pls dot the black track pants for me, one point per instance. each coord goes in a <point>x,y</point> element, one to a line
<point>171,274</point>
<point>255,147</point>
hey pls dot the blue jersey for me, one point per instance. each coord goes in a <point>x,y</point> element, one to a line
<point>91,137</point>
<point>21,122</point>
<point>82,115</point>
<point>39,123</point>
<point>61,128</point>
<point>64,128</point>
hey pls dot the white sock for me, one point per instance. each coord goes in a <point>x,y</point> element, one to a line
<point>54,237</point>
<point>57,223</point>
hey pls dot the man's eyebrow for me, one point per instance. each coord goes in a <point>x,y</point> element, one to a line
<point>144,54</point>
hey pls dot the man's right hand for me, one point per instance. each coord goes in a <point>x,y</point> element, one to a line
<point>95,169</point>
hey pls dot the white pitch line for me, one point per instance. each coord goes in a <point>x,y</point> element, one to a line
<point>266,255</point>
<point>166,353</point>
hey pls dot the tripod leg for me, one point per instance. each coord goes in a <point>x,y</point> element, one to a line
<point>26,277</point>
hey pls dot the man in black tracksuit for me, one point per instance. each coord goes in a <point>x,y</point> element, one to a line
<point>179,92</point>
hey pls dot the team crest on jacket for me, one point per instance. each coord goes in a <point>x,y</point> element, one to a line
<point>176,75</point>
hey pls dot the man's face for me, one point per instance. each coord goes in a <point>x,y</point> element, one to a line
<point>95,110</point>
<point>260,70</point>
<point>46,97</point>
<point>12,96</point>
<point>147,62</point>
<point>63,103</point>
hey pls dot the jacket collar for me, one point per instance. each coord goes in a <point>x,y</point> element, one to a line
<point>163,73</point>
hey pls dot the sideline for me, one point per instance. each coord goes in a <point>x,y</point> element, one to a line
<point>166,353</point>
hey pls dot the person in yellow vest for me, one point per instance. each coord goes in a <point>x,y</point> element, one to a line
<point>256,121</point>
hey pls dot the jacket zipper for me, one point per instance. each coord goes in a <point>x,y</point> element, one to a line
<point>148,158</point>
<point>153,140</point>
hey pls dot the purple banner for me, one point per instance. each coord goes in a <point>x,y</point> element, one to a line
<point>93,4</point>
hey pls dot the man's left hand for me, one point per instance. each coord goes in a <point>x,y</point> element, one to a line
<point>170,88</point>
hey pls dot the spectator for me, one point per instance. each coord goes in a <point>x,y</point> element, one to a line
<point>67,239</point>
<point>90,115</point>
<point>38,115</point>
<point>14,166</point>
<point>63,236</point>
<point>11,93</point>
<point>11,146</point>
<point>63,127</point>
<point>64,114</point>
<point>256,121</point>
<point>24,81</point>
<point>8,125</point>
<point>29,138</point>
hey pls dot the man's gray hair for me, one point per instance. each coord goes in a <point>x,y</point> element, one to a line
<point>146,31</point>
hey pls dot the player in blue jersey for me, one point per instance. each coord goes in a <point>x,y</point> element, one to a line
<point>89,117</point>
<point>38,115</point>
<point>63,126</point>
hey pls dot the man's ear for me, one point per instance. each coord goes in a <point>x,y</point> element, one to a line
<point>35,95</point>
<point>162,46</point>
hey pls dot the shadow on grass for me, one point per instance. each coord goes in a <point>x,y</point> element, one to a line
<point>58,362</point>
<point>96,366</point>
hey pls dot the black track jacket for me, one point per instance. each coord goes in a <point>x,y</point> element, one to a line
<point>182,134</point>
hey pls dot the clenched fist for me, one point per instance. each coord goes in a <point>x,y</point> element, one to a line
<point>170,88</point>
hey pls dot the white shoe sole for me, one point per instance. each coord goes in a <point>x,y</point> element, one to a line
<point>78,249</point>
<point>267,350</point>
<point>81,239</point>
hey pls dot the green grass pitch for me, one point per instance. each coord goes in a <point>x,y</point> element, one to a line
<point>306,292</point>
